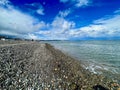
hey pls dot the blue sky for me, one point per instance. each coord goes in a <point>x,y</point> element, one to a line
<point>60,19</point>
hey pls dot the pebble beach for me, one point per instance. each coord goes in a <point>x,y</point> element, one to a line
<point>31,65</point>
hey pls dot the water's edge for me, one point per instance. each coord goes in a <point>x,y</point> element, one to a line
<point>99,67</point>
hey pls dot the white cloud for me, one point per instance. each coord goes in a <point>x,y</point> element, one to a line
<point>38,8</point>
<point>42,25</point>
<point>44,32</point>
<point>4,2</point>
<point>58,28</point>
<point>31,36</point>
<point>64,13</point>
<point>16,23</point>
<point>78,3</point>
<point>105,27</point>
<point>61,23</point>
<point>81,3</point>
<point>40,11</point>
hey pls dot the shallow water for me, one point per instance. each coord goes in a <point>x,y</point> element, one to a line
<point>95,55</point>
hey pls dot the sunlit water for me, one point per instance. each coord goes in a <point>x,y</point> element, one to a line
<point>95,55</point>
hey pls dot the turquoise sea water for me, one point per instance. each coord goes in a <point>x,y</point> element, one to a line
<point>95,55</point>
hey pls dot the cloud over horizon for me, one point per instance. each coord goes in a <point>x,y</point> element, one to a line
<point>106,27</point>
<point>16,23</point>
<point>63,26</point>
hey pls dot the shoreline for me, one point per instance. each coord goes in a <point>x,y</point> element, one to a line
<point>37,65</point>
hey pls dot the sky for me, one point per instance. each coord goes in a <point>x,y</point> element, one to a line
<point>60,19</point>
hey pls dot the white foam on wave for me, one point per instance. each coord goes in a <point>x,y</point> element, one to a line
<point>99,68</point>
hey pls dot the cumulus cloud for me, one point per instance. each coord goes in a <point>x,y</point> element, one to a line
<point>107,27</point>
<point>78,3</point>
<point>16,23</point>
<point>58,29</point>
<point>61,23</point>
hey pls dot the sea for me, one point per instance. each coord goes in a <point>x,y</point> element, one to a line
<point>96,56</point>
